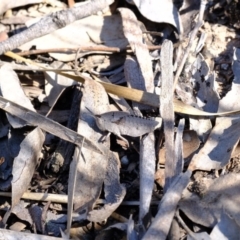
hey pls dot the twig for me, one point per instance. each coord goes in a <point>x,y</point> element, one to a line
<point>60,198</point>
<point>53,22</point>
<point>67,50</point>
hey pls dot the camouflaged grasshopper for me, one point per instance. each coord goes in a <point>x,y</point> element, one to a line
<point>122,123</point>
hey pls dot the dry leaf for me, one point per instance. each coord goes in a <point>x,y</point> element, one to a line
<point>147,170</point>
<point>114,191</point>
<point>167,208</point>
<point>191,143</point>
<point>9,4</point>
<point>226,228</point>
<point>9,81</point>
<point>135,79</point>
<point>56,83</point>
<point>12,235</point>
<point>92,166</point>
<point>218,194</point>
<point>133,33</point>
<point>25,163</point>
<point>162,11</point>
<point>21,211</point>
<point>217,151</point>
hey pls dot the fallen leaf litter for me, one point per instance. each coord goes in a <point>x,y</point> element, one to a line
<point>163,78</point>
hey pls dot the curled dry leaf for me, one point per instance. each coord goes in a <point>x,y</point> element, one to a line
<point>207,97</point>
<point>225,135</point>
<point>25,163</point>
<point>219,146</point>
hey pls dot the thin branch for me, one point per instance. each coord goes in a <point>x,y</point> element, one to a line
<point>53,22</point>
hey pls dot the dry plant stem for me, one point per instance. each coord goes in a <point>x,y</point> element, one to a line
<point>60,198</point>
<point>67,50</point>
<point>53,22</point>
<point>83,49</point>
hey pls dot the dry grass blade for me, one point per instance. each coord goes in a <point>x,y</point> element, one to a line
<point>150,99</point>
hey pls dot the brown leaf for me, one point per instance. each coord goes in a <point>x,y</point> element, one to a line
<point>217,151</point>
<point>25,163</point>
<point>92,166</point>
<point>133,33</point>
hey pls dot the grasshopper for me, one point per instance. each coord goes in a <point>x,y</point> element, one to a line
<point>122,123</point>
